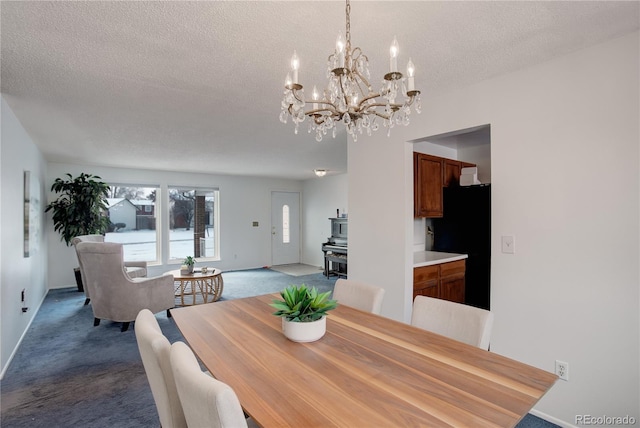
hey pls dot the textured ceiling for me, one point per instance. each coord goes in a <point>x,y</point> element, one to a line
<point>196,86</point>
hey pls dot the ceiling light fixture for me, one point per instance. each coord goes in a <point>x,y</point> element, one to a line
<point>320,172</point>
<point>349,97</point>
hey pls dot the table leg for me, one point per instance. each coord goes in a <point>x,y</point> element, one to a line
<point>220,283</point>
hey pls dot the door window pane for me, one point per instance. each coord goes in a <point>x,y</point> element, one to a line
<point>285,224</point>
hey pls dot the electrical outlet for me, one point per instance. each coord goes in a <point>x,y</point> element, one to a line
<point>562,370</point>
<point>508,244</point>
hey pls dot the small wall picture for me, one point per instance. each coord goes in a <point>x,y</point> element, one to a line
<point>31,214</point>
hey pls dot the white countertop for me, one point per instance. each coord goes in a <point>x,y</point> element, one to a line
<point>428,258</point>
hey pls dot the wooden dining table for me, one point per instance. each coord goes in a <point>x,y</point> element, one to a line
<point>367,371</point>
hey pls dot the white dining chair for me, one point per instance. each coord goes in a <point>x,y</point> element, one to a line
<point>358,295</point>
<point>155,351</point>
<point>206,401</point>
<point>464,323</point>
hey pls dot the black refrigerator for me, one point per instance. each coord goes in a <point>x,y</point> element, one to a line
<point>466,228</point>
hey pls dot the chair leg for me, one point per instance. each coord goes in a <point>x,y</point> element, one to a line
<point>168,313</point>
<point>125,327</point>
<point>96,322</point>
<point>86,301</point>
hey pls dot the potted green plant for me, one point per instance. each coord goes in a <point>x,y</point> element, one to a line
<point>303,311</point>
<point>80,209</point>
<point>187,265</point>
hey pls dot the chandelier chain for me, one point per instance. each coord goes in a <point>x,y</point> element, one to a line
<point>348,29</point>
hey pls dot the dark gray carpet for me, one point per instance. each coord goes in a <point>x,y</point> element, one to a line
<point>68,373</point>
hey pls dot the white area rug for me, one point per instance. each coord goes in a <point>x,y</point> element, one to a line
<point>297,269</point>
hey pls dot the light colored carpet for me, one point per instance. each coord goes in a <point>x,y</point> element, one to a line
<point>297,269</point>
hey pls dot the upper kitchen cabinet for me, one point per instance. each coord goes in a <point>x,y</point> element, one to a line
<point>430,175</point>
<point>427,176</point>
<point>452,171</point>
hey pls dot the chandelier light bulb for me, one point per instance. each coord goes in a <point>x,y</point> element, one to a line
<point>393,51</point>
<point>287,81</point>
<point>315,97</point>
<point>340,44</point>
<point>295,65</point>
<point>353,100</point>
<point>411,70</point>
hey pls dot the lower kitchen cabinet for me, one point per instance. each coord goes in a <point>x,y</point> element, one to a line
<point>442,281</point>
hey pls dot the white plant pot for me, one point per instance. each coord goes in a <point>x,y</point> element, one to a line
<point>304,331</point>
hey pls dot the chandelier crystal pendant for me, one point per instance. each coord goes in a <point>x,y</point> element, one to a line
<point>349,98</point>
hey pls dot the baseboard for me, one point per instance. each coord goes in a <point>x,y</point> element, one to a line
<point>24,333</point>
<point>551,419</point>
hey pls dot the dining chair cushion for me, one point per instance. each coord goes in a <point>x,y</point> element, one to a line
<point>464,323</point>
<point>358,295</point>
<point>206,402</point>
<point>155,351</point>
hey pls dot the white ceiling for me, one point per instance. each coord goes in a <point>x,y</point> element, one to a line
<point>196,86</point>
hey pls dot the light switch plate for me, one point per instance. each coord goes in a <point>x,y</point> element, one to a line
<point>508,244</point>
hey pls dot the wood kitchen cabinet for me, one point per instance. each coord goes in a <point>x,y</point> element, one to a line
<point>430,175</point>
<point>425,281</point>
<point>452,170</point>
<point>427,185</point>
<point>442,281</point>
<point>452,281</point>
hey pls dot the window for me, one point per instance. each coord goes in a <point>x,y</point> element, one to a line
<point>130,222</point>
<point>193,223</point>
<point>285,224</point>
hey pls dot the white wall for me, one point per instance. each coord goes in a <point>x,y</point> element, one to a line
<point>322,197</point>
<point>18,154</point>
<point>565,183</point>
<point>243,200</point>
<point>434,149</point>
<point>381,217</point>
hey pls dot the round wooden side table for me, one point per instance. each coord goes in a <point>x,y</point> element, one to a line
<point>201,287</point>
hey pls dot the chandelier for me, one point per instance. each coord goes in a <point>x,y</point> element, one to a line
<point>349,98</point>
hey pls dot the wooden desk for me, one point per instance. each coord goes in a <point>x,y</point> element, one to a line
<point>367,371</point>
<point>202,287</point>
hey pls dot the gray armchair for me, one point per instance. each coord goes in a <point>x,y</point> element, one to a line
<point>114,295</point>
<point>134,269</point>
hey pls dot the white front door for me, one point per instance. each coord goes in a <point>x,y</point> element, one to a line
<point>285,228</point>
